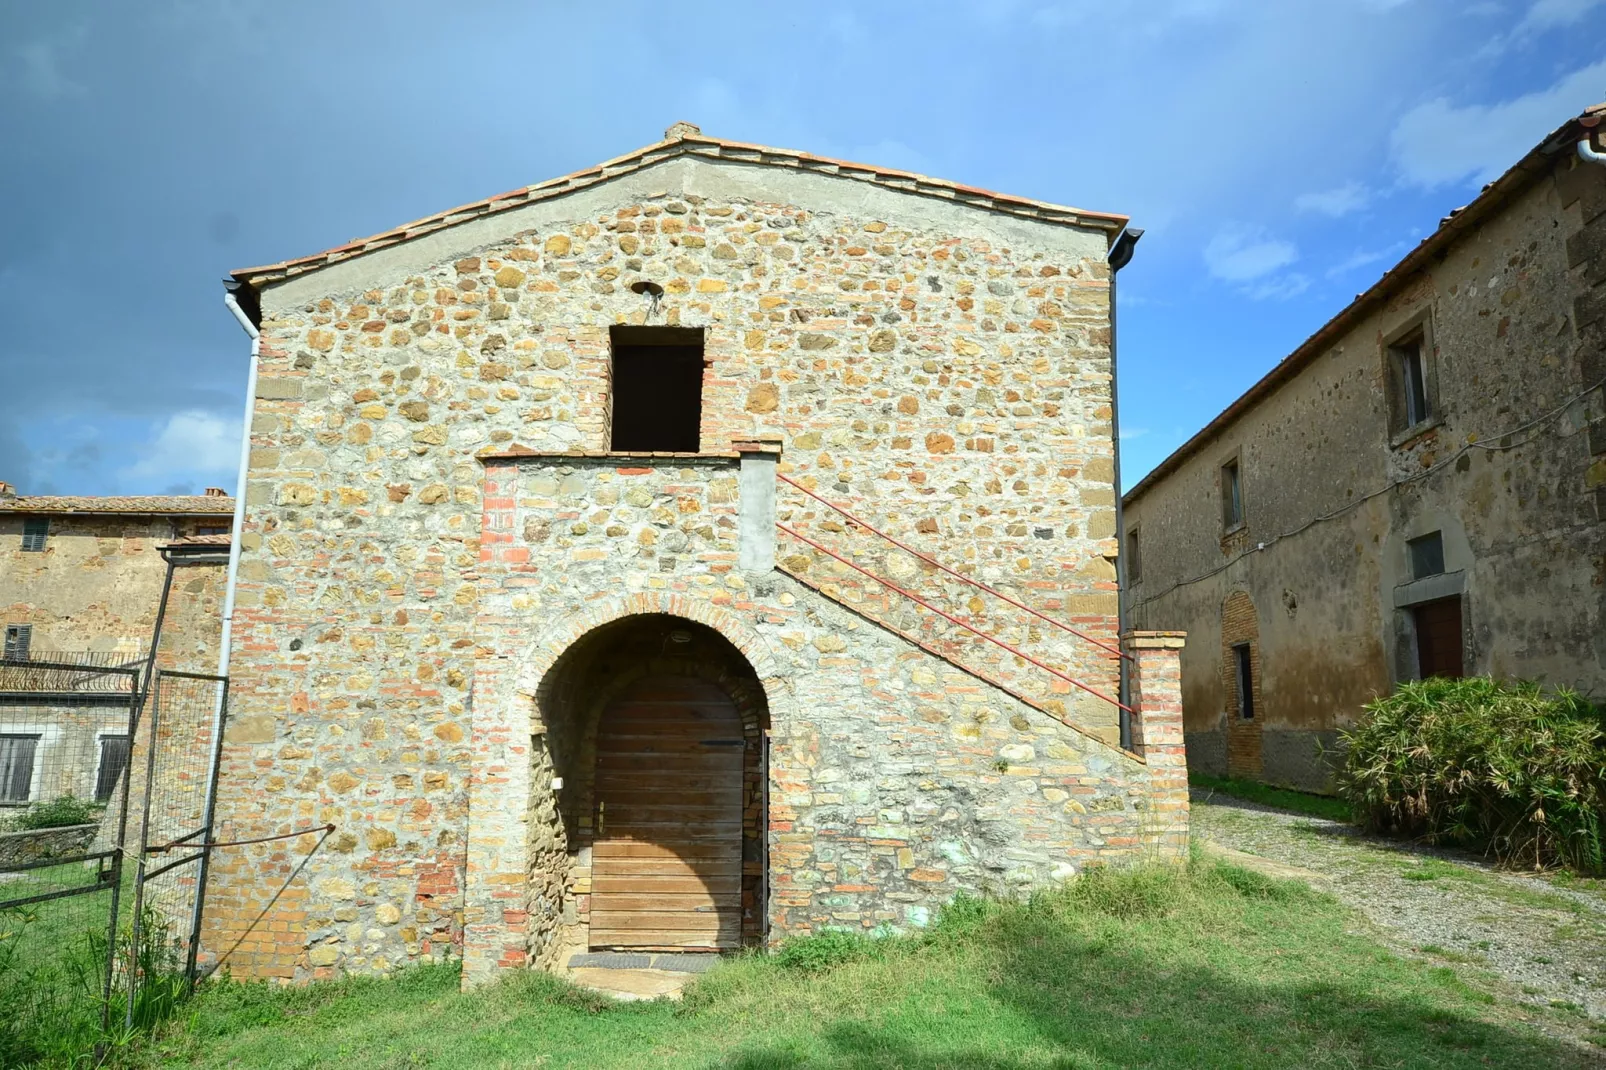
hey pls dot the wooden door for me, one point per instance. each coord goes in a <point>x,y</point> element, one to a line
<point>666,860</point>
<point>1438,638</point>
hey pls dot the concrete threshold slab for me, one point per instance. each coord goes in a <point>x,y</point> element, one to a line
<point>633,976</point>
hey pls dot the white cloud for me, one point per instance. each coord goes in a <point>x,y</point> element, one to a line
<point>1347,198</point>
<point>1128,433</point>
<point>1438,143</point>
<point>190,445</point>
<point>1550,14</point>
<point>1279,288</point>
<point>1240,253</point>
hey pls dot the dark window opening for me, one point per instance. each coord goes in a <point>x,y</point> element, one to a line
<point>1427,555</point>
<point>657,382</point>
<point>16,767</point>
<point>18,638</point>
<point>34,534</point>
<point>1232,496</point>
<point>212,529</point>
<point>113,760</point>
<point>1412,381</point>
<point>1134,558</point>
<point>1244,667</point>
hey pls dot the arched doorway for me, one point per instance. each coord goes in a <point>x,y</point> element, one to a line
<point>654,727</point>
<point>666,855</point>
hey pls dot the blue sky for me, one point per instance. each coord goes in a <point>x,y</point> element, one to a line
<point>1280,154</point>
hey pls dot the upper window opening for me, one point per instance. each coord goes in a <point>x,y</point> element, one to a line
<point>35,531</point>
<point>1411,377</point>
<point>1134,558</point>
<point>1427,555</point>
<point>657,402</point>
<point>1232,496</point>
<point>18,638</point>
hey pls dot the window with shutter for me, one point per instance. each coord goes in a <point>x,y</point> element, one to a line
<point>18,639</point>
<point>16,767</point>
<point>34,533</point>
<point>113,760</point>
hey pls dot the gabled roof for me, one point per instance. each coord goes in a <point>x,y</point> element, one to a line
<point>142,505</point>
<point>1495,196</point>
<point>684,139</point>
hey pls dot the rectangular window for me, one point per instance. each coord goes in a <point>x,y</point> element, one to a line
<point>113,760</point>
<point>211,529</point>
<point>1411,381</point>
<point>1244,667</point>
<point>18,638</point>
<point>657,399</point>
<point>1134,558</point>
<point>1232,496</point>
<point>35,530</point>
<point>16,767</point>
<point>1427,555</point>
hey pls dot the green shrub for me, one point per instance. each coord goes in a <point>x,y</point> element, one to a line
<point>1506,767</point>
<point>67,810</point>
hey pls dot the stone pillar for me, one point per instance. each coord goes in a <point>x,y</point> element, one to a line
<point>756,505</point>
<point>1156,689</point>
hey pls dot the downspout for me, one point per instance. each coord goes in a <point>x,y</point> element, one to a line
<point>1587,153</point>
<point>1120,255</point>
<point>227,645</point>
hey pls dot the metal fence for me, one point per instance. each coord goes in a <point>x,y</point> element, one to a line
<point>106,793</point>
<point>67,726</point>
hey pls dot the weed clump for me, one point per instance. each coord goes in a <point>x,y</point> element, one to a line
<point>1507,767</point>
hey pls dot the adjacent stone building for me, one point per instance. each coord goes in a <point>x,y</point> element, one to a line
<point>1419,489</point>
<point>81,581</point>
<point>535,606</point>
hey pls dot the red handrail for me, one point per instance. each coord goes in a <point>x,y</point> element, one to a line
<point>957,575</point>
<point>955,620</point>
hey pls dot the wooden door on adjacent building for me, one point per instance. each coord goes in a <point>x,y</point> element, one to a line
<point>1438,638</point>
<point>666,860</point>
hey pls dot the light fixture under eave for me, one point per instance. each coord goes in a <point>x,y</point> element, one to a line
<point>678,636</point>
<point>642,286</point>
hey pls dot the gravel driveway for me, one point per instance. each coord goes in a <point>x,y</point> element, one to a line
<point>1525,936</point>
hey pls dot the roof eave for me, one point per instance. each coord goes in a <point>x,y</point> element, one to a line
<point>253,278</point>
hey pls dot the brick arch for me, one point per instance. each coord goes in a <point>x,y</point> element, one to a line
<point>564,633</point>
<point>1240,625</point>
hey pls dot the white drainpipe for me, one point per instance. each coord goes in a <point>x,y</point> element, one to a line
<point>1587,152</point>
<point>239,483</point>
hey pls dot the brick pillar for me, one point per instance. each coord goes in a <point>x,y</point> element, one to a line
<point>1156,690</point>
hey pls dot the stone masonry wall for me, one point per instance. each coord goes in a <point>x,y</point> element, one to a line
<point>941,369</point>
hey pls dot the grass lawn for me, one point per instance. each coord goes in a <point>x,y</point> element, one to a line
<point>1283,798</point>
<point>1208,967</point>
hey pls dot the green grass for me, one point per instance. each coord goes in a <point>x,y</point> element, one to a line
<point>1208,966</point>
<point>1282,798</point>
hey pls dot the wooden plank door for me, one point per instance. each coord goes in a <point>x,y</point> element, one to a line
<point>666,859</point>
<point>1438,638</point>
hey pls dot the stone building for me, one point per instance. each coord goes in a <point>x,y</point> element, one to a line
<point>84,576</point>
<point>536,608</point>
<point>1418,490</point>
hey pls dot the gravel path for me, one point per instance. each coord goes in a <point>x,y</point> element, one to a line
<point>1543,944</point>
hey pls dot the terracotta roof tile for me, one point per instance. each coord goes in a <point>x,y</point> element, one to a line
<point>153,504</point>
<point>221,540</point>
<point>701,145</point>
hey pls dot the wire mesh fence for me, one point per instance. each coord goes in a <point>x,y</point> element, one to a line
<point>67,723</point>
<point>105,814</point>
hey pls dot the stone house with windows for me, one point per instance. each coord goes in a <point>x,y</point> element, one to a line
<point>711,546</point>
<point>1418,490</point>
<point>81,579</point>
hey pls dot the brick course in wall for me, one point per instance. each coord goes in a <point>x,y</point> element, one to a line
<point>417,556</point>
